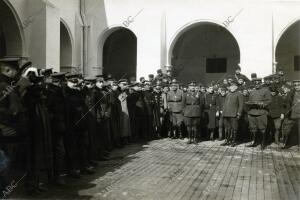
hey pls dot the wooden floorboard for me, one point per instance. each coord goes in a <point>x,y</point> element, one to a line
<point>173,170</point>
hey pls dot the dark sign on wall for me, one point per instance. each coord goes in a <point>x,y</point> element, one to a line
<point>216,65</point>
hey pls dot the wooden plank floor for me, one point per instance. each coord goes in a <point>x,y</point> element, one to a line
<point>171,169</point>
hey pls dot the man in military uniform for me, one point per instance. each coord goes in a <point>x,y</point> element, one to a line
<point>292,116</point>
<point>277,110</point>
<point>295,112</point>
<point>259,100</point>
<point>232,111</point>
<point>192,109</point>
<point>175,99</point>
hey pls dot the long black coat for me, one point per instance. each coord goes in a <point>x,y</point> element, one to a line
<point>211,106</point>
<point>40,130</point>
<point>115,112</point>
<point>56,104</point>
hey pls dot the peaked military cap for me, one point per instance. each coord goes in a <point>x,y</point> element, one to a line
<point>296,82</point>
<point>59,75</point>
<point>15,62</point>
<point>123,80</point>
<point>192,83</point>
<point>91,79</point>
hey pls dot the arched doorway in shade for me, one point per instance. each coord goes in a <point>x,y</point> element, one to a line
<point>204,52</point>
<point>11,40</point>
<point>119,54</point>
<point>65,48</point>
<point>287,53</point>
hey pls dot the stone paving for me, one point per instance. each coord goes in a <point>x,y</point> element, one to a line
<point>171,169</point>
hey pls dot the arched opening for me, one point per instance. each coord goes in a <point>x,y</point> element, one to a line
<point>287,52</point>
<point>204,52</point>
<point>119,54</point>
<point>10,35</point>
<point>65,49</point>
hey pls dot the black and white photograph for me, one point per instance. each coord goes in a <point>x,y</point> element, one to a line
<point>150,99</point>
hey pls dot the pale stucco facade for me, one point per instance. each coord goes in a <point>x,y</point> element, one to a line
<point>54,33</point>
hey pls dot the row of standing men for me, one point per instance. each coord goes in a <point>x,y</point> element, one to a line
<point>55,124</point>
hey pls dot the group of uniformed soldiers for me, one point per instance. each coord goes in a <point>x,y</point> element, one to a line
<point>59,124</point>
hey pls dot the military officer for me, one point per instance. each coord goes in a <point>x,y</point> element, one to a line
<point>277,109</point>
<point>232,111</point>
<point>292,116</point>
<point>295,112</point>
<point>259,100</point>
<point>192,109</point>
<point>175,106</point>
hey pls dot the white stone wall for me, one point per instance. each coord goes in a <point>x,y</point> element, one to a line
<point>252,28</point>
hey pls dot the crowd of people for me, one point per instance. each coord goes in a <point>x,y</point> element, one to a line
<point>55,125</point>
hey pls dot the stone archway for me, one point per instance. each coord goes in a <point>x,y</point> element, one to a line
<point>287,53</point>
<point>204,52</point>
<point>65,48</point>
<point>11,41</point>
<point>120,53</point>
